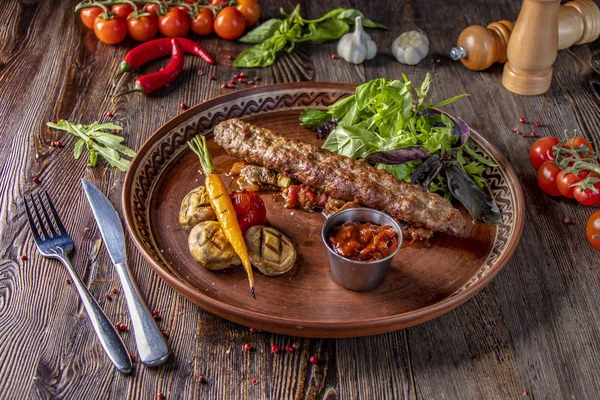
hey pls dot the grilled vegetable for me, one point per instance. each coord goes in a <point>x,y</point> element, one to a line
<point>270,250</point>
<point>196,208</point>
<point>210,247</point>
<point>221,203</point>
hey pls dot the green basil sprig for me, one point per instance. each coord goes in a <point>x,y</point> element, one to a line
<point>276,35</point>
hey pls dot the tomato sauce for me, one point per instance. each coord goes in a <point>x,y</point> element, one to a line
<point>364,241</point>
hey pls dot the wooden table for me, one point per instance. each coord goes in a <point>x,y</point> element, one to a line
<point>533,332</point>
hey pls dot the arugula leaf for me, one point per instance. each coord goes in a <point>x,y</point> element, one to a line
<point>262,32</point>
<point>312,118</point>
<point>98,141</point>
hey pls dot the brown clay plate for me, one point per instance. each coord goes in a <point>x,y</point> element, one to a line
<point>423,282</point>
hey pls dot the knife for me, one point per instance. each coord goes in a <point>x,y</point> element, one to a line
<point>150,341</point>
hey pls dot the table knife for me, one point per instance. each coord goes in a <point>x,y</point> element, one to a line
<point>150,341</point>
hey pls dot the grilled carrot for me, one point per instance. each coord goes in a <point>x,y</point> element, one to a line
<point>221,203</point>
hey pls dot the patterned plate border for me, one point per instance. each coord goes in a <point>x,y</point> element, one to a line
<point>170,141</point>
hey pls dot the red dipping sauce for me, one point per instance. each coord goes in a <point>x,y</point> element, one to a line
<point>363,241</point>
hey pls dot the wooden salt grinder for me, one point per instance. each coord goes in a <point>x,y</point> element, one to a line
<point>478,47</point>
<point>532,48</point>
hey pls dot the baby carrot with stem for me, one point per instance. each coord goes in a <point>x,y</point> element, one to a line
<point>221,203</point>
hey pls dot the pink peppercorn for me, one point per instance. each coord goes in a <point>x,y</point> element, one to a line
<point>274,349</point>
<point>533,134</point>
<point>538,123</point>
<point>201,379</point>
<point>23,257</point>
<point>289,349</point>
<point>313,360</point>
<point>522,120</point>
<point>247,347</point>
<point>254,381</point>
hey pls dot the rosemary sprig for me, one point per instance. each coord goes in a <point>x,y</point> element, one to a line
<point>98,142</point>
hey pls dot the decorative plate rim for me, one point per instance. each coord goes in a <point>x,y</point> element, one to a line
<point>277,324</point>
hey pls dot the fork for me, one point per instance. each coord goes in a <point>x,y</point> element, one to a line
<point>54,242</point>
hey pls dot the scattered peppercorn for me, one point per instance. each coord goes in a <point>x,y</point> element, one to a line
<point>236,76</point>
<point>252,330</point>
<point>247,347</point>
<point>274,349</point>
<point>230,57</point>
<point>514,130</point>
<point>255,86</point>
<point>567,220</point>
<point>533,134</point>
<point>313,360</point>
<point>23,257</point>
<point>334,57</point>
<point>156,313</point>
<point>522,120</point>
<point>296,346</point>
<point>165,333</point>
<point>257,78</point>
<point>229,86</point>
<point>86,229</point>
<point>250,82</point>
<point>68,281</point>
<point>133,357</point>
<point>242,74</point>
<point>254,381</point>
<point>160,395</point>
<point>200,72</point>
<point>109,114</point>
<point>183,106</point>
<point>525,393</point>
<point>108,296</point>
<point>115,290</point>
<point>35,179</point>
<point>212,78</point>
<point>289,349</point>
<point>241,80</point>
<point>201,379</point>
<point>538,123</point>
<point>524,134</point>
<point>121,326</point>
<point>223,86</point>
<point>59,144</point>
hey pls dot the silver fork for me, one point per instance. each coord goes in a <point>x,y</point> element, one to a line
<point>54,242</point>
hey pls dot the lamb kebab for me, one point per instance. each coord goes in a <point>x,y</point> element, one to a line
<point>340,177</point>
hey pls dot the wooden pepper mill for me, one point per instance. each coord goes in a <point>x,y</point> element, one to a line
<point>479,47</point>
<point>532,48</point>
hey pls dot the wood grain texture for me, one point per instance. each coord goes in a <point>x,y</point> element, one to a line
<point>534,329</point>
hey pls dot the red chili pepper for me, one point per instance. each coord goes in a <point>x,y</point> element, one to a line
<point>157,48</point>
<point>150,82</point>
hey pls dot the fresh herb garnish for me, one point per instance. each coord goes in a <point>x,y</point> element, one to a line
<point>276,35</point>
<point>391,124</point>
<point>98,142</point>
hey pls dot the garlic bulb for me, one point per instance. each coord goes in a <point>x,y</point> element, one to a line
<point>357,46</point>
<point>410,47</point>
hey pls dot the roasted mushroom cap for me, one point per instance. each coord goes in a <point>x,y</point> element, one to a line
<point>210,247</point>
<point>270,250</point>
<point>196,208</point>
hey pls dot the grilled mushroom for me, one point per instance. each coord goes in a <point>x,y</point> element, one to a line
<point>210,247</point>
<point>270,250</point>
<point>195,208</point>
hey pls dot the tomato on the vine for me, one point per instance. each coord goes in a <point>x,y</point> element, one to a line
<point>121,10</point>
<point>88,16</point>
<point>565,179</point>
<point>592,229</point>
<point>202,24</point>
<point>230,23</point>
<point>110,31</point>
<point>547,175</point>
<point>587,197</point>
<point>249,208</point>
<point>577,142</point>
<point>214,3</point>
<point>143,28</point>
<point>541,151</point>
<point>175,23</point>
<point>250,10</point>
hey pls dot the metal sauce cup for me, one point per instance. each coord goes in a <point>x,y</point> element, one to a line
<point>358,275</point>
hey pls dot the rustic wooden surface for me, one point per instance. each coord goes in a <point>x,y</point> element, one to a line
<point>535,329</point>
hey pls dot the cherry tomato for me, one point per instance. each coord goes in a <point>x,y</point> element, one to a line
<point>541,151</point>
<point>143,28</point>
<point>250,10</point>
<point>547,175</point>
<point>592,229</point>
<point>203,23</point>
<point>88,16</point>
<point>230,23</point>
<point>110,31</point>
<point>152,8</point>
<point>216,2</point>
<point>587,197</point>
<point>122,10</point>
<point>249,208</point>
<point>577,142</point>
<point>175,23</point>
<point>565,179</point>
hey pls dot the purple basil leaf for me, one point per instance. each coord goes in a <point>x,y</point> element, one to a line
<point>397,156</point>
<point>481,206</point>
<point>426,172</point>
<point>459,128</point>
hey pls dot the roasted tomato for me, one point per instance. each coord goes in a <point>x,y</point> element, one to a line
<point>249,208</point>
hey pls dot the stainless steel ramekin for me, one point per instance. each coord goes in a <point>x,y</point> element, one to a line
<point>358,275</point>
